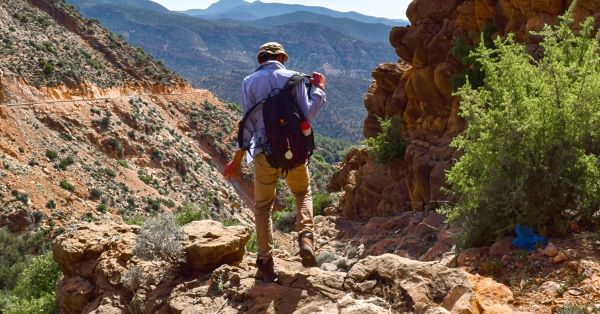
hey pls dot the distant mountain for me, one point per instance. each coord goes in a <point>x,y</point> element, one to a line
<point>364,31</point>
<point>246,11</point>
<point>217,55</point>
<point>142,4</point>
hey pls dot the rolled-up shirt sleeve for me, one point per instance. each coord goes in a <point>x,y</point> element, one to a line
<point>248,127</point>
<point>310,106</point>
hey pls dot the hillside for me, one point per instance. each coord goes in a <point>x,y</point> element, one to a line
<point>92,127</point>
<point>217,55</point>
<point>377,32</point>
<point>247,11</point>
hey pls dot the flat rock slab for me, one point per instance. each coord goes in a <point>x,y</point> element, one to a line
<point>211,245</point>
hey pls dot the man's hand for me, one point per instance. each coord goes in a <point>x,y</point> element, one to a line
<point>233,167</point>
<point>318,80</point>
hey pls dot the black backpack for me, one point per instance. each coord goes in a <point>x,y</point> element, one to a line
<point>287,147</point>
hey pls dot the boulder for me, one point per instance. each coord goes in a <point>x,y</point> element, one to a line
<point>211,245</point>
<point>501,247</point>
<point>426,285</point>
<point>17,221</point>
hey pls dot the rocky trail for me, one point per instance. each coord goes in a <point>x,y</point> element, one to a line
<point>379,265</point>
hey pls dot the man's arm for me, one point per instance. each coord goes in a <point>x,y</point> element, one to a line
<point>311,106</point>
<point>233,167</point>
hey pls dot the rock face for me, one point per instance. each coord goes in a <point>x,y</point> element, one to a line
<point>103,276</point>
<point>418,91</point>
<point>210,245</point>
<point>101,271</point>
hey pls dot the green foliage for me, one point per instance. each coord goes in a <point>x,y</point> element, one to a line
<point>284,221</point>
<point>532,146</point>
<point>189,212</point>
<point>51,154</point>
<point>26,283</point>
<point>251,244</point>
<point>65,163</point>
<point>571,308</point>
<point>38,278</point>
<point>320,202</point>
<point>14,255</point>
<point>95,193</point>
<point>67,185</point>
<point>160,237</point>
<point>332,149</point>
<point>231,222</point>
<point>102,208</point>
<point>389,144</point>
<point>462,50</point>
<point>51,204</point>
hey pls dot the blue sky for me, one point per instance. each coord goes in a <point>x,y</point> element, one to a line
<point>394,9</point>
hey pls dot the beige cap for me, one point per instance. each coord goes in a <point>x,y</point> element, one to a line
<point>274,49</point>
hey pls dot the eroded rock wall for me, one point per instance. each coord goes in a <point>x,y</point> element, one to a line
<point>418,91</point>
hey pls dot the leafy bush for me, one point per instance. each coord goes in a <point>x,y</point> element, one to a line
<point>51,154</point>
<point>14,255</point>
<point>39,278</point>
<point>95,193</point>
<point>571,308</point>
<point>65,163</point>
<point>26,283</point>
<point>67,185</point>
<point>251,244</point>
<point>320,202</point>
<point>160,237</point>
<point>284,221</point>
<point>532,146</point>
<point>389,144</point>
<point>191,212</point>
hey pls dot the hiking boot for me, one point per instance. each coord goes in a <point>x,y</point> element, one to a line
<point>306,244</point>
<point>266,270</point>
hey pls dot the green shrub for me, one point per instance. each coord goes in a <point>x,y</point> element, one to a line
<point>51,204</point>
<point>65,162</point>
<point>251,244</point>
<point>51,154</point>
<point>389,144</point>
<point>39,278</point>
<point>531,149</point>
<point>284,221</point>
<point>571,308</point>
<point>320,202</point>
<point>14,255</point>
<point>95,193</point>
<point>102,208</point>
<point>189,212</point>
<point>67,185</point>
<point>160,237</point>
<point>34,292</point>
<point>231,222</point>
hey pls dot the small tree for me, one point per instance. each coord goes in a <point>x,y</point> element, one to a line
<point>532,146</point>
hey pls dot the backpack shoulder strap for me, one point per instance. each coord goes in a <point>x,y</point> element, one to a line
<point>242,123</point>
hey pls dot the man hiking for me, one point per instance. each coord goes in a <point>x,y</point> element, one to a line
<point>259,88</point>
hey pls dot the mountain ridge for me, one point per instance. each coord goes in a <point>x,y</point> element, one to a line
<point>257,10</point>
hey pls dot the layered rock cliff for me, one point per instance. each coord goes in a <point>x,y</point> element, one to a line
<point>418,90</point>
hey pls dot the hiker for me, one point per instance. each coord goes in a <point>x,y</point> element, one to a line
<point>270,79</point>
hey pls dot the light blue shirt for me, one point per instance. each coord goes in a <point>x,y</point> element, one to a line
<point>257,87</point>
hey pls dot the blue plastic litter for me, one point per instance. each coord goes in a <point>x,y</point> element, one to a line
<point>527,239</point>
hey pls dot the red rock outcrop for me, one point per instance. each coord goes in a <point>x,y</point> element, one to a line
<point>418,91</point>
